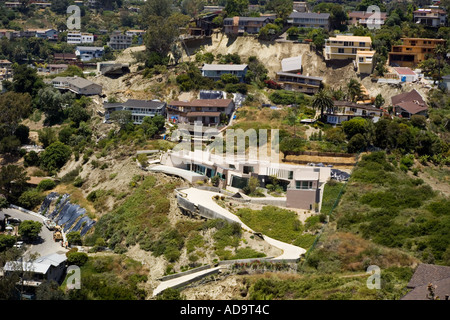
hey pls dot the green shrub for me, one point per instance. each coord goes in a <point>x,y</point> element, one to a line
<point>46,184</point>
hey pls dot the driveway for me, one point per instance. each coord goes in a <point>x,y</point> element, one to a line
<point>43,246</point>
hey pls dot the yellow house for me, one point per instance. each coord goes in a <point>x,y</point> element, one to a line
<point>364,61</point>
<point>412,51</point>
<point>344,47</point>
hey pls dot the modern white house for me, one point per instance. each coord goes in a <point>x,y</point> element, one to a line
<point>89,53</point>
<point>346,110</point>
<point>215,71</point>
<point>139,109</point>
<point>77,37</point>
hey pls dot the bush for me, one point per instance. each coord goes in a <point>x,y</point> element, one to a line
<point>31,199</point>
<point>77,258</point>
<point>46,184</point>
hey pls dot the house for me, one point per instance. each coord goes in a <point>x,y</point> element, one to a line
<point>425,275</point>
<point>77,85</point>
<point>119,41</point>
<point>69,58</point>
<point>6,71</point>
<point>364,61</point>
<point>49,34</point>
<point>344,47</point>
<point>78,37</point>
<point>310,20</point>
<point>364,18</point>
<point>431,17</point>
<point>303,184</point>
<point>7,33</point>
<point>215,71</point>
<point>299,6</point>
<point>346,110</point>
<point>241,25</point>
<point>409,103</point>
<point>208,112</point>
<point>136,33</point>
<point>12,4</point>
<point>299,82</point>
<point>202,26</point>
<point>216,9</point>
<point>89,53</point>
<point>412,51</point>
<point>139,109</point>
<point>57,68</point>
<point>406,74</point>
<point>47,268</point>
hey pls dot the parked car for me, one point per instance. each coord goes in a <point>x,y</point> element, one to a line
<point>18,245</point>
<point>14,220</point>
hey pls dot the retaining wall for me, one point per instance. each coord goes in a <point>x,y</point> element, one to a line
<point>181,274</point>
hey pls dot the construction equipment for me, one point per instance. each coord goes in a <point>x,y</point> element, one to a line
<point>57,234</point>
<point>49,224</point>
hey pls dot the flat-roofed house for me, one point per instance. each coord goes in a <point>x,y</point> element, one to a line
<point>215,71</point>
<point>299,82</point>
<point>77,85</point>
<point>77,37</point>
<point>406,74</point>
<point>310,20</point>
<point>139,109</point>
<point>408,104</point>
<point>412,51</point>
<point>344,47</point>
<point>292,64</point>
<point>364,61</point>
<point>204,111</point>
<point>89,53</point>
<point>347,110</point>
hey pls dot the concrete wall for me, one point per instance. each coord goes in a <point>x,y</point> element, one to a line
<point>302,199</point>
<point>181,274</point>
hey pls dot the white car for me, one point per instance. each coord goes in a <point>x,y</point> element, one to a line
<point>18,245</point>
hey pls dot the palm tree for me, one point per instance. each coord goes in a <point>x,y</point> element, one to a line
<point>322,100</point>
<point>354,89</point>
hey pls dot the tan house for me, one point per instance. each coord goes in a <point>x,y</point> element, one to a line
<point>412,51</point>
<point>344,47</point>
<point>364,61</point>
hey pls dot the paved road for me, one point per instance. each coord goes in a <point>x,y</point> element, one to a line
<point>46,245</point>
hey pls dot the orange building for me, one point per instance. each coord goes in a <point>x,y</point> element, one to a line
<point>412,51</point>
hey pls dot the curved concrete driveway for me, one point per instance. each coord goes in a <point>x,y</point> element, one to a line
<point>205,198</point>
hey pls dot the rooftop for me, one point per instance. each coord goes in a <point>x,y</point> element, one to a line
<point>404,71</point>
<point>290,64</point>
<point>340,37</point>
<point>413,95</point>
<point>224,67</point>
<point>219,103</point>
<point>309,15</point>
<point>151,104</point>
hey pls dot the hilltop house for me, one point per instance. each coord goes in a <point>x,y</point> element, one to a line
<point>363,18</point>
<point>215,71</point>
<point>346,110</point>
<point>47,268</point>
<point>412,51</point>
<point>77,85</point>
<point>208,112</point>
<point>77,37</point>
<point>120,41</point>
<point>6,71</point>
<point>291,78</point>
<point>408,104</point>
<point>139,109</point>
<point>89,53</point>
<point>303,184</point>
<point>310,20</point>
<point>241,25</point>
<point>344,47</point>
<point>431,17</point>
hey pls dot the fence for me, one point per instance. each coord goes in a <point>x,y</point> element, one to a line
<point>336,202</point>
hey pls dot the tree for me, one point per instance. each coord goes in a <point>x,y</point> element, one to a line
<point>292,145</point>
<point>49,290</point>
<point>354,90</point>
<point>122,117</point>
<point>236,7</point>
<point>158,8</point>
<point>47,136</point>
<point>59,6</point>
<point>30,229</point>
<point>322,101</point>
<point>77,114</point>
<point>74,237</point>
<point>6,241</point>
<point>9,145</point>
<point>31,199</point>
<point>13,108</point>
<point>354,126</point>
<point>335,135</point>
<point>283,8</point>
<point>356,143</point>
<point>26,80</point>
<point>55,156</point>
<point>22,133</point>
<point>253,184</point>
<point>379,101</point>
<point>52,102</point>
<point>13,180</point>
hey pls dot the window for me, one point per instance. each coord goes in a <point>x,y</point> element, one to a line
<point>340,50</point>
<point>290,174</point>
<point>303,184</point>
<point>248,169</point>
